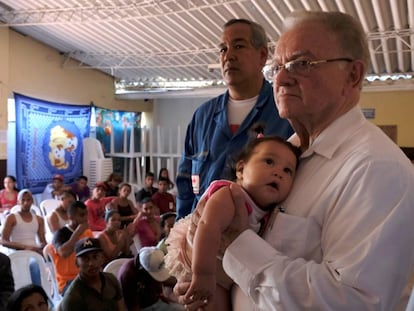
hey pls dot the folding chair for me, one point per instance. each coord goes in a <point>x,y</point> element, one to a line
<point>49,205</point>
<point>20,264</point>
<point>48,253</point>
<point>114,266</point>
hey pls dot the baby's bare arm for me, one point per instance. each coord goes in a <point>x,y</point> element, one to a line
<point>216,217</point>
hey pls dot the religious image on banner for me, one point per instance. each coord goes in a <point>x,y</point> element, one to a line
<point>48,141</point>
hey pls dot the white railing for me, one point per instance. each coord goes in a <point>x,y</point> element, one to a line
<point>159,147</point>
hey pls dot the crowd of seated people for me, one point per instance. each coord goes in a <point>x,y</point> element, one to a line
<point>115,221</point>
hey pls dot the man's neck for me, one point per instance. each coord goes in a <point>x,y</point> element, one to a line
<point>241,92</point>
<point>93,281</point>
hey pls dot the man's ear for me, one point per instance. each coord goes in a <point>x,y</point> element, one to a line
<point>357,73</point>
<point>264,53</point>
<point>76,262</point>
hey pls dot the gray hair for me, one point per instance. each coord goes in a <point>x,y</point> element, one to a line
<point>259,38</point>
<point>347,29</point>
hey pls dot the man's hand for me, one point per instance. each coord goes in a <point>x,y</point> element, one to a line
<point>81,228</point>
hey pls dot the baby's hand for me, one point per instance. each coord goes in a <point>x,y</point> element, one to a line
<point>201,291</point>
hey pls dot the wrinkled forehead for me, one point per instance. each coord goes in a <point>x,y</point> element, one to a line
<point>308,39</point>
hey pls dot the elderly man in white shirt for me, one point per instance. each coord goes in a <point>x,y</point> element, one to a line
<point>345,240</point>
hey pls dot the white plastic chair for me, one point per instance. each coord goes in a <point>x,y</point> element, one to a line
<point>34,209</point>
<point>114,266</point>
<point>48,253</point>
<point>2,221</point>
<point>135,245</point>
<point>20,265</point>
<point>49,205</point>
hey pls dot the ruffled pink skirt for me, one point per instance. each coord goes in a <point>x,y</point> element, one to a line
<point>178,258</point>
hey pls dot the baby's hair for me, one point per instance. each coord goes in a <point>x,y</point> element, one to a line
<point>247,151</point>
<point>256,138</point>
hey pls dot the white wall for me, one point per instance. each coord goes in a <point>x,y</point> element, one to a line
<point>173,116</point>
<point>173,112</point>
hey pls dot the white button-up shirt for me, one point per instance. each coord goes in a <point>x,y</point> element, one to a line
<point>346,240</point>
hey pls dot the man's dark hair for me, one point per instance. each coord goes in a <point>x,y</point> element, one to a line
<point>73,208</point>
<point>82,177</point>
<point>259,38</point>
<point>149,174</point>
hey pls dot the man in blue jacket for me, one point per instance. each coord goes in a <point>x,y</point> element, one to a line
<point>220,127</point>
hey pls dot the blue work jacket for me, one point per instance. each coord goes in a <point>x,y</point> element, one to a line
<point>210,147</point>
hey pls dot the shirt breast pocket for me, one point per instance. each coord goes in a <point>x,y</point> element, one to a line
<point>296,237</point>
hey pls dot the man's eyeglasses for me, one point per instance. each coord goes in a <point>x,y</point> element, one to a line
<point>300,67</point>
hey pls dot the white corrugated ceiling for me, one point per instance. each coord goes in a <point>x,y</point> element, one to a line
<point>162,40</point>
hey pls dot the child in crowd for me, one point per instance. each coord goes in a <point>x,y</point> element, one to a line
<point>112,184</point>
<point>115,242</point>
<point>148,190</point>
<point>96,207</point>
<point>55,189</point>
<point>164,200</point>
<point>265,170</point>
<point>123,205</point>
<point>167,222</point>
<point>80,188</point>
<point>8,195</point>
<point>147,224</point>
<point>165,174</point>
<point>59,217</point>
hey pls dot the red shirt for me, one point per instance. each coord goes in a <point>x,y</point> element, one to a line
<point>96,213</point>
<point>164,201</point>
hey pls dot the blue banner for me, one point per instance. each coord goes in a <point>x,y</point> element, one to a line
<point>48,141</point>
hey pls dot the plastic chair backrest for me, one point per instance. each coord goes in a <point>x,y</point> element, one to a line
<point>114,266</point>
<point>48,254</point>
<point>2,219</point>
<point>135,245</point>
<point>20,264</point>
<point>49,205</point>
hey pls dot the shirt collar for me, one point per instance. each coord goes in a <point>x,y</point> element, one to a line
<point>335,134</point>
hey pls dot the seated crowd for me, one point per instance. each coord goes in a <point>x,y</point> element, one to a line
<point>95,230</point>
